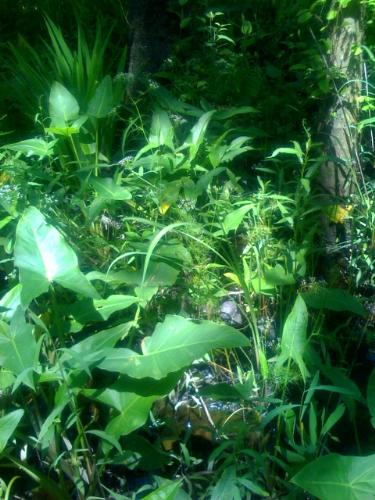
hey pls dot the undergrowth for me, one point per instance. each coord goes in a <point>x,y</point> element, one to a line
<point>168,324</point>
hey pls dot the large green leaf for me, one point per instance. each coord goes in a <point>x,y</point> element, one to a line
<point>8,424</point>
<point>18,348</point>
<point>175,344</point>
<point>278,276</point>
<point>197,134</point>
<point>43,256</point>
<point>10,301</point>
<point>336,476</point>
<point>234,219</point>
<point>158,274</point>
<point>333,299</point>
<point>294,341</point>
<point>33,147</point>
<point>133,408</point>
<point>113,303</point>
<point>167,491</point>
<point>63,106</point>
<point>102,102</point>
<point>90,349</point>
<point>109,190</point>
<point>161,129</point>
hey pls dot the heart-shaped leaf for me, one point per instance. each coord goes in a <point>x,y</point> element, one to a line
<point>43,257</point>
<point>18,348</point>
<point>106,307</point>
<point>333,299</point>
<point>109,190</point>
<point>337,476</point>
<point>63,106</point>
<point>175,344</point>
<point>33,147</point>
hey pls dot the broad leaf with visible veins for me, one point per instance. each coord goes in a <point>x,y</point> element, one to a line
<point>341,477</point>
<point>175,344</point>
<point>43,256</point>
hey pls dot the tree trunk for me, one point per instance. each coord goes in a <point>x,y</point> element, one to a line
<point>150,39</point>
<point>338,173</point>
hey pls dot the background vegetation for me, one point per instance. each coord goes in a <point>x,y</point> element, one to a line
<point>187,239</point>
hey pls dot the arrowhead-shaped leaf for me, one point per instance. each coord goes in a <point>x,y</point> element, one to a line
<point>134,409</point>
<point>333,299</point>
<point>109,190</point>
<point>18,348</point>
<point>161,129</point>
<point>43,256</point>
<point>294,341</point>
<point>32,147</point>
<point>234,219</point>
<point>106,307</point>
<point>63,106</point>
<point>175,344</point>
<point>337,476</point>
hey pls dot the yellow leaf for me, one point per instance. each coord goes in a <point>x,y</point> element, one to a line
<point>233,277</point>
<point>337,213</point>
<point>164,207</point>
<point>4,178</point>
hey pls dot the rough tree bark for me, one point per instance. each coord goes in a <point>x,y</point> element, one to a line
<point>150,28</point>
<point>338,173</point>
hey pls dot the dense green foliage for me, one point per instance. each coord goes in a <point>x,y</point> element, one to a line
<point>173,322</point>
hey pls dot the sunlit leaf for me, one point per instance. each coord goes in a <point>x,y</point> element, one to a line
<point>161,129</point>
<point>114,303</point>
<point>175,344</point>
<point>43,257</point>
<point>18,348</point>
<point>233,220</point>
<point>294,340</point>
<point>33,147</point>
<point>63,106</point>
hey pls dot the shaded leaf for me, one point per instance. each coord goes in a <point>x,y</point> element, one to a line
<point>101,103</point>
<point>109,190</point>
<point>133,408</point>
<point>371,396</point>
<point>8,425</point>
<point>334,299</point>
<point>167,491</point>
